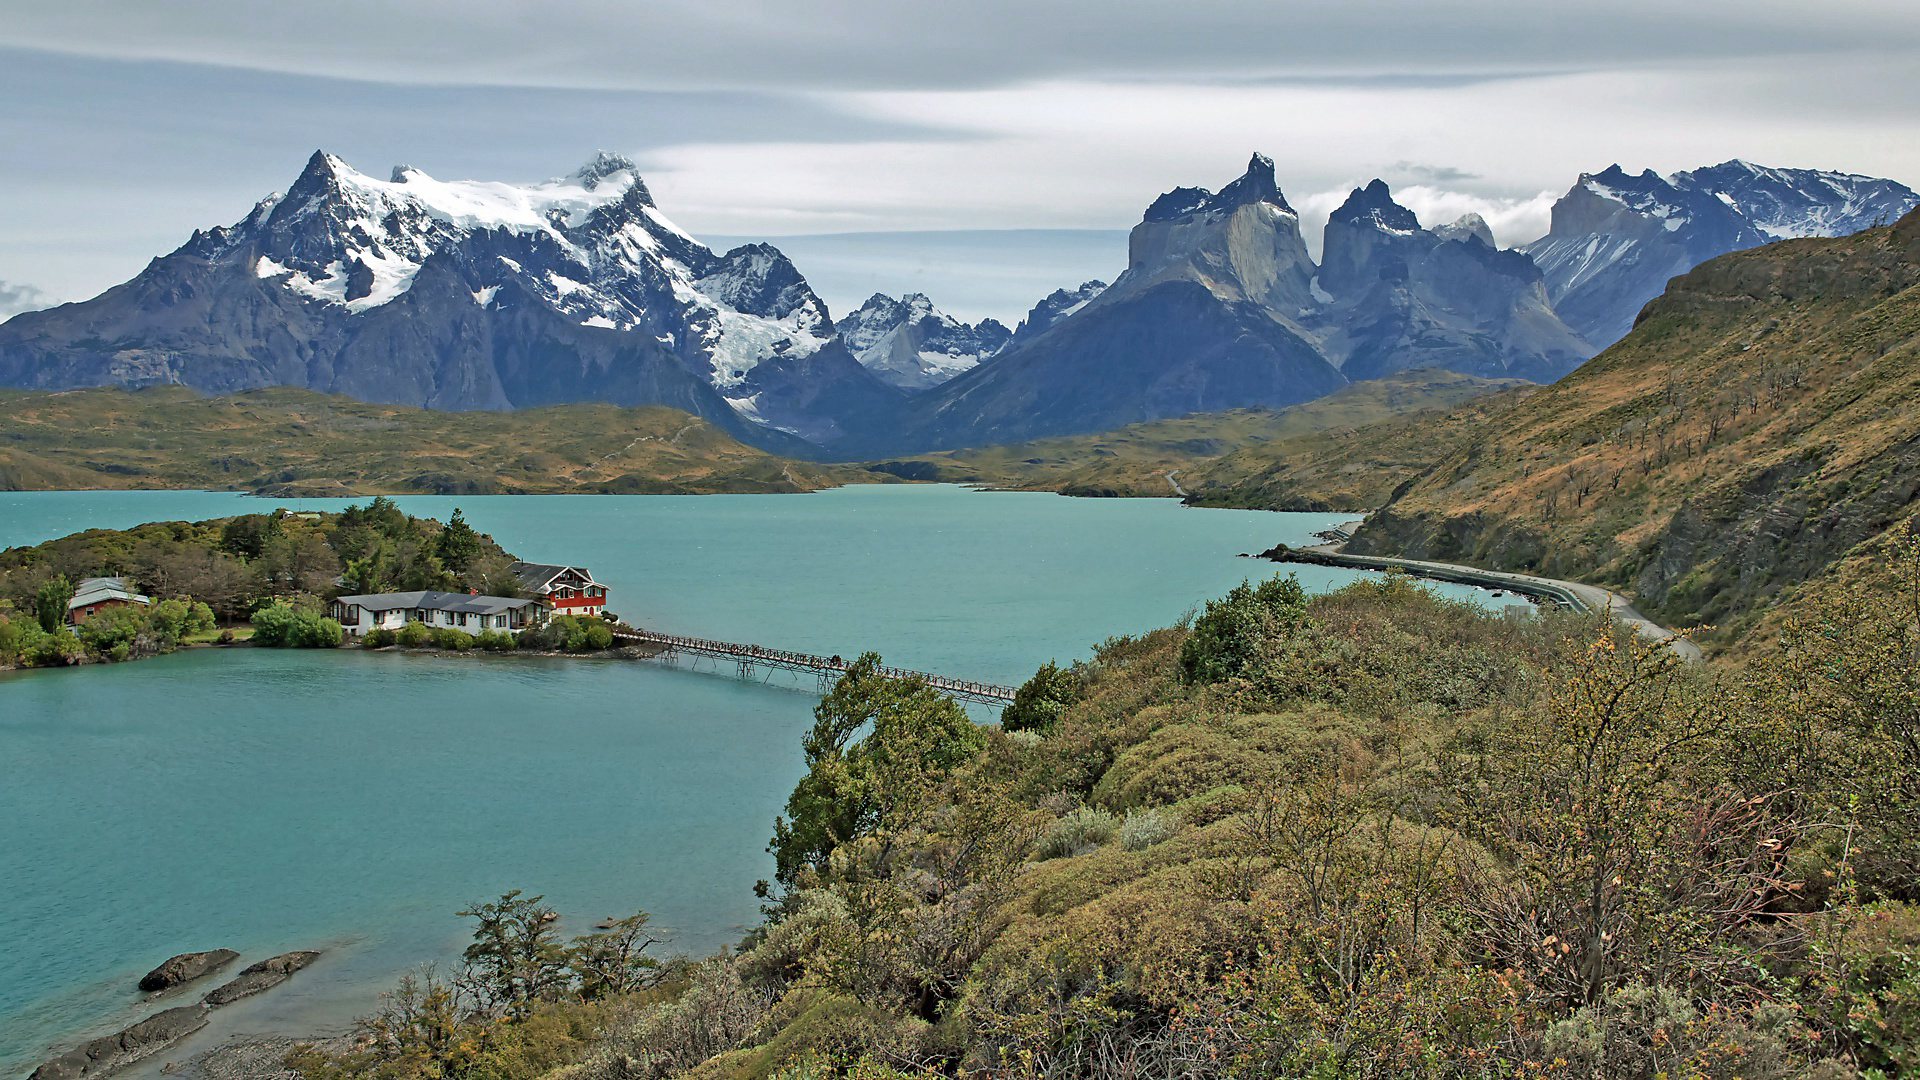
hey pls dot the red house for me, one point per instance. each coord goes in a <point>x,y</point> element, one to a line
<point>97,594</point>
<point>568,590</point>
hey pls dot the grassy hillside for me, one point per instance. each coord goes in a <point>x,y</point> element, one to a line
<point>1135,460</point>
<point>1363,835</point>
<point>1754,433</point>
<point>284,441</point>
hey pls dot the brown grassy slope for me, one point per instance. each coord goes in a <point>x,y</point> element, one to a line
<point>1758,425</point>
<point>297,442</point>
<point>1135,460</point>
<point>1345,468</point>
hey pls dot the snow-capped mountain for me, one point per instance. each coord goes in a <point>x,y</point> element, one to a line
<point>1055,306</point>
<point>1786,203</point>
<point>1222,307</point>
<point>465,295</point>
<point>1205,317</point>
<point>913,345</point>
<point>1616,239</point>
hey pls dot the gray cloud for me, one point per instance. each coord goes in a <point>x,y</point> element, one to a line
<point>1431,174</point>
<point>886,44</point>
<point>15,299</point>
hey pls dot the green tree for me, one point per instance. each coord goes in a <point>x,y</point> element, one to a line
<point>868,785</point>
<point>614,960</point>
<point>1227,636</point>
<point>50,602</point>
<point>115,632</point>
<point>459,545</point>
<point>516,958</point>
<point>249,534</point>
<point>1038,703</point>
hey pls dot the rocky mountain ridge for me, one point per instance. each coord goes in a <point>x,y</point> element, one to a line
<point>475,295</point>
<point>1221,307</point>
<point>466,295</point>
<point>913,345</point>
<point>1617,239</point>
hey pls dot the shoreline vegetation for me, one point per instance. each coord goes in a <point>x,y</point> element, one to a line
<point>261,579</point>
<point>1366,833</point>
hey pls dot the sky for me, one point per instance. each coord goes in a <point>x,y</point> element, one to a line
<point>984,151</point>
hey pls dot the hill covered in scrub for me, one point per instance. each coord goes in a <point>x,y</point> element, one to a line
<point>292,442</point>
<point>1366,834</point>
<point>1753,433</point>
<point>1135,460</point>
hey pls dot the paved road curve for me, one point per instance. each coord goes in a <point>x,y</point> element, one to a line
<point>1590,597</point>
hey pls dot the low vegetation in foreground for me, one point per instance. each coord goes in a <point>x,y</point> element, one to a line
<point>1367,834</point>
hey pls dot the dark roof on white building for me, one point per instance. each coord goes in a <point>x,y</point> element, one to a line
<point>436,601</point>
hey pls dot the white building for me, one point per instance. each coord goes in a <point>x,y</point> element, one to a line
<point>462,611</point>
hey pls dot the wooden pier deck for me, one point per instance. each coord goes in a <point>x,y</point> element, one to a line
<point>750,657</point>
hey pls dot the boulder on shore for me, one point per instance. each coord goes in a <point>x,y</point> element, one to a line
<point>103,1055</point>
<point>257,977</point>
<point>186,967</point>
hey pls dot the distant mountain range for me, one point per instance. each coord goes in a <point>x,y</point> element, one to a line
<point>1617,239</point>
<point>473,295</point>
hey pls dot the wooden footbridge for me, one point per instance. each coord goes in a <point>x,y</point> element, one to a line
<point>828,668</point>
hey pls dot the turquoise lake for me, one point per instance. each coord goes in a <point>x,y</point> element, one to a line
<point>266,801</point>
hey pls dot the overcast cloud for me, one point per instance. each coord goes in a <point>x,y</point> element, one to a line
<point>129,125</point>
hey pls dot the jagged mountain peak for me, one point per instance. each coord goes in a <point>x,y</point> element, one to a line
<point>1373,205</point>
<point>1466,227</point>
<point>1258,184</point>
<point>913,345</point>
<point>602,166</point>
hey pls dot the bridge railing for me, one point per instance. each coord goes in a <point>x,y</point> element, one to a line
<point>760,654</point>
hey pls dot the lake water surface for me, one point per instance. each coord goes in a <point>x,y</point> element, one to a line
<point>266,801</point>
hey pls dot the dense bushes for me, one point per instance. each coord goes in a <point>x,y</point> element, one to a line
<point>286,626</point>
<point>1370,834</point>
<point>115,633</point>
<point>1226,637</point>
<point>568,633</point>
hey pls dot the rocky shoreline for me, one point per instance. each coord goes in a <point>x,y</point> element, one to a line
<point>161,1031</point>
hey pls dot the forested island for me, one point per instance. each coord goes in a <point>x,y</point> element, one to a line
<point>264,578</point>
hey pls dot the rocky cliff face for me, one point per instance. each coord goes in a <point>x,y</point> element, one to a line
<point>1616,239</point>
<point>465,295</point>
<point>1206,317</point>
<point>913,345</point>
<point>1399,297</point>
<point>1221,307</point>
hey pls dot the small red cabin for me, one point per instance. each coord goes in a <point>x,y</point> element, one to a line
<point>97,594</point>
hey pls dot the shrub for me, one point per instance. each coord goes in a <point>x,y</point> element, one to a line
<point>113,632</point>
<point>1145,828</point>
<point>569,633</point>
<point>1229,633</point>
<point>1079,832</point>
<point>446,637</point>
<point>1038,703</point>
<point>493,640</point>
<point>412,636</point>
<point>378,638</point>
<point>285,626</point>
